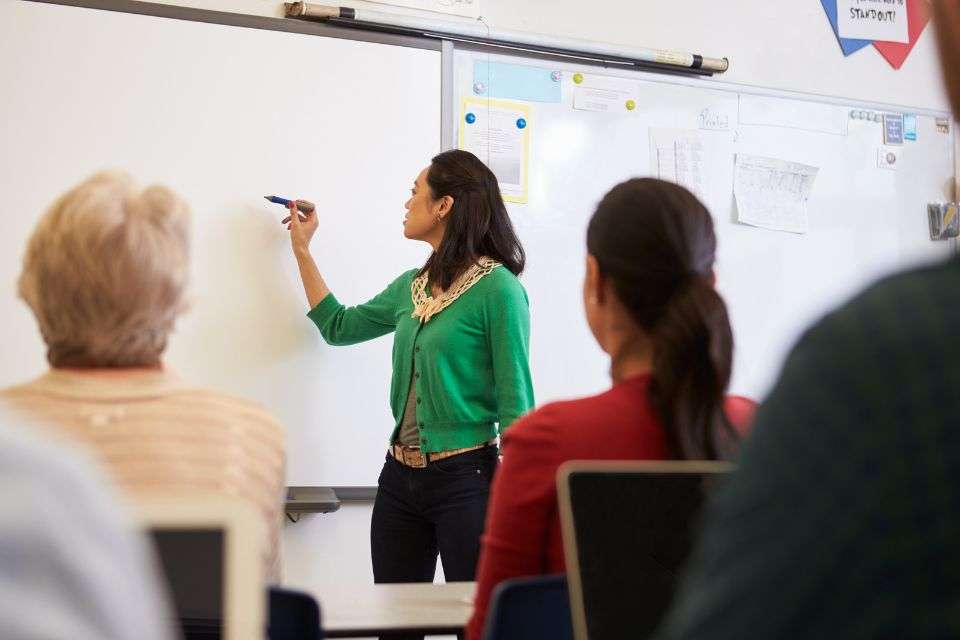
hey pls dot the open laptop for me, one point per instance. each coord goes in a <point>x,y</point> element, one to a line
<point>210,551</point>
<point>628,528</point>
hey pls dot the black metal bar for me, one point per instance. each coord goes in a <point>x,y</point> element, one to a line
<point>599,59</point>
<point>247,21</point>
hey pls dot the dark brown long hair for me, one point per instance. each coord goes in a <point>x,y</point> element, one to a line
<point>478,224</point>
<point>654,240</point>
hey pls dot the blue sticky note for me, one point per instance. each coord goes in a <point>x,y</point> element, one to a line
<point>847,45</point>
<point>516,82</point>
<point>892,128</point>
<point>909,126</point>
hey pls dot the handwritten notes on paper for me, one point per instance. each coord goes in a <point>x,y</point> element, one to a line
<point>678,156</point>
<point>772,193</point>
<point>884,20</point>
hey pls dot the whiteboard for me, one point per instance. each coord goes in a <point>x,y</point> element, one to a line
<point>206,110</point>
<point>864,221</point>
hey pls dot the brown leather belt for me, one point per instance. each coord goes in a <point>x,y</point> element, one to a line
<point>414,457</point>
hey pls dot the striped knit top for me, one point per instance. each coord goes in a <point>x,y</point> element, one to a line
<point>155,435</point>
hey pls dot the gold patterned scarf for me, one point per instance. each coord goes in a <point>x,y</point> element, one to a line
<point>425,307</point>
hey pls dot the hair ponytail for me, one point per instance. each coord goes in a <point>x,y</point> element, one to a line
<point>655,242</point>
<point>693,349</point>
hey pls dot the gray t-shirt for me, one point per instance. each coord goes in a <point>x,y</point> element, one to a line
<point>409,431</point>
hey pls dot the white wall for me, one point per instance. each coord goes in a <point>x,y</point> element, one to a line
<point>767,43</point>
<point>784,45</point>
<point>328,550</point>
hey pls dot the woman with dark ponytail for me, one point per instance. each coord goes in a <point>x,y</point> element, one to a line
<point>651,245</point>
<point>650,302</point>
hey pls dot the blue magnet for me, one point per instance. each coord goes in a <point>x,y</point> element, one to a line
<point>470,118</point>
<point>521,123</point>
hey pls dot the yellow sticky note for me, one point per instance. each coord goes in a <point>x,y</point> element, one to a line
<point>951,214</point>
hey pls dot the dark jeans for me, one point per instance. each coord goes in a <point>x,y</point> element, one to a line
<point>419,513</point>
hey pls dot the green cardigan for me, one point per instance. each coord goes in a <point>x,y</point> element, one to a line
<point>470,361</point>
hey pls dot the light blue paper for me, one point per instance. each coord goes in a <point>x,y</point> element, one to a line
<point>515,82</point>
<point>909,126</point>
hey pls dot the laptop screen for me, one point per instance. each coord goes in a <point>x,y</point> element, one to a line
<point>633,531</point>
<point>193,564</point>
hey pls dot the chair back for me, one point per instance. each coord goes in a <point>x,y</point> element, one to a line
<point>535,608</point>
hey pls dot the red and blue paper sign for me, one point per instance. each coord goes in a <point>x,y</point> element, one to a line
<point>918,15</point>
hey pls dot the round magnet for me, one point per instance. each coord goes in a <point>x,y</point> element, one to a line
<point>577,78</point>
<point>631,105</point>
<point>521,123</point>
<point>470,118</point>
<point>479,87</point>
<point>555,76</point>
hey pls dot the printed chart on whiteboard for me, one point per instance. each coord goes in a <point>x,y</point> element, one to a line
<point>677,155</point>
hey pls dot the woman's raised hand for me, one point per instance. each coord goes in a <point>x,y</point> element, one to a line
<point>302,226</point>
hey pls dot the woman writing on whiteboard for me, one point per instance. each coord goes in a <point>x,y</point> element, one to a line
<point>460,365</point>
<point>649,298</point>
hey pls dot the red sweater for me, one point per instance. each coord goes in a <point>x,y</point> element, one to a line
<point>522,535</point>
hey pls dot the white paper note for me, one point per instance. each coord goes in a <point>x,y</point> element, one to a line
<point>678,156</point>
<point>605,94</point>
<point>773,193</point>
<point>690,165</point>
<point>884,20</point>
<point>667,163</point>
<point>497,132</point>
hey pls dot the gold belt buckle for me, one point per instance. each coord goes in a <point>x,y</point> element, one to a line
<point>416,458</point>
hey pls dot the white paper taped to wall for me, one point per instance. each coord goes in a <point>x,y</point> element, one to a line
<point>678,155</point>
<point>773,193</point>
<point>496,131</point>
<point>605,94</point>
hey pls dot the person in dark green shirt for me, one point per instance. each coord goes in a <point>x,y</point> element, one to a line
<point>843,520</point>
<point>461,328</point>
